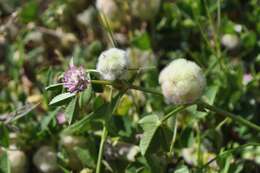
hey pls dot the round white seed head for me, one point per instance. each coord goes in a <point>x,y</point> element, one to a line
<point>145,9</point>
<point>112,64</point>
<point>18,161</point>
<point>182,82</point>
<point>45,159</point>
<point>230,41</point>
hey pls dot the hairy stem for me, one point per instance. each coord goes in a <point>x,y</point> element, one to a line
<point>174,112</point>
<point>147,90</point>
<point>234,117</point>
<point>103,139</point>
<point>101,149</point>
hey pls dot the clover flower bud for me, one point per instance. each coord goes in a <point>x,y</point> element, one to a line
<point>18,161</point>
<point>75,79</point>
<point>45,159</point>
<point>145,9</point>
<point>230,41</point>
<point>182,82</point>
<point>112,64</point>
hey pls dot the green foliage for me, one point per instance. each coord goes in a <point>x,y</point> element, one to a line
<point>150,125</point>
<point>4,141</point>
<point>61,99</point>
<point>4,162</point>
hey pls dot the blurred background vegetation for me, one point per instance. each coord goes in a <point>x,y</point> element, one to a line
<point>39,37</point>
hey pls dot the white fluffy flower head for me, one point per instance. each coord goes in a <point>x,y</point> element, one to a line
<point>182,82</point>
<point>112,64</point>
<point>18,161</point>
<point>108,8</point>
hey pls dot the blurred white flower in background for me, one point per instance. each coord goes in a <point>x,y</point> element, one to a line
<point>141,59</point>
<point>182,82</point>
<point>70,143</point>
<point>238,28</point>
<point>145,9</point>
<point>88,17</point>
<point>45,159</point>
<point>86,170</point>
<point>18,161</point>
<point>230,41</point>
<point>108,7</point>
<point>112,64</point>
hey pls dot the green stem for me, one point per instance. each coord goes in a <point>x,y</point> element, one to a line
<point>101,82</point>
<point>101,149</point>
<point>171,152</point>
<point>105,82</point>
<point>103,138</point>
<point>234,117</point>
<point>174,112</point>
<point>148,90</point>
<point>106,25</point>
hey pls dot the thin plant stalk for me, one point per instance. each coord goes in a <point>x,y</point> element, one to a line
<point>101,148</point>
<point>107,27</point>
<point>174,112</point>
<point>103,140</point>
<point>234,117</point>
<point>171,152</point>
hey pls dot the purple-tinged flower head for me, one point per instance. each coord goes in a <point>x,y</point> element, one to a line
<point>61,118</point>
<point>75,79</point>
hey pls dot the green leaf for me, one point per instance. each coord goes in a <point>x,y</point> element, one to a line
<point>103,112</point>
<point>80,125</point>
<point>150,125</point>
<point>4,162</point>
<point>4,136</point>
<point>64,170</point>
<point>85,97</point>
<point>46,120</point>
<point>85,157</point>
<point>182,169</point>
<point>210,94</point>
<point>142,41</point>
<point>70,111</point>
<point>155,163</point>
<point>61,99</point>
<point>53,87</point>
<point>29,11</point>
